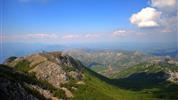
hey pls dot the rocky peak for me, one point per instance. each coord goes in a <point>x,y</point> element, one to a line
<point>55,67</point>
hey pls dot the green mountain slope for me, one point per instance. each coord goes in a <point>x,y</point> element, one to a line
<point>107,62</point>
<point>159,79</point>
<point>93,88</point>
<point>62,77</point>
<point>97,86</point>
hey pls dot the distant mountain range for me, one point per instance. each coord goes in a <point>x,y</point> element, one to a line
<point>58,76</point>
<point>108,62</point>
<point>22,49</point>
<point>172,52</point>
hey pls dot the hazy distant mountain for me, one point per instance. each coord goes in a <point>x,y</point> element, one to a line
<point>114,60</point>
<point>172,52</point>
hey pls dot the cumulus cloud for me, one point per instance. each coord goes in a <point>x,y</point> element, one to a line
<point>147,17</point>
<point>163,4</point>
<point>169,14</point>
<point>162,13</point>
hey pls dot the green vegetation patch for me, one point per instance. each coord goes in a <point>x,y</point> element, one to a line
<point>68,68</point>
<point>98,68</point>
<point>146,67</point>
<point>34,92</point>
<point>23,66</point>
<point>97,87</point>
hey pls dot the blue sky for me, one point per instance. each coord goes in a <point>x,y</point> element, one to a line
<point>88,21</point>
<point>68,16</point>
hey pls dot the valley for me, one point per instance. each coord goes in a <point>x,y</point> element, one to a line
<point>88,49</point>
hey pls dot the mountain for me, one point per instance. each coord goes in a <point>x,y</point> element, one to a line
<point>150,77</point>
<point>58,76</point>
<point>172,52</point>
<point>53,67</point>
<point>108,62</point>
<point>166,68</point>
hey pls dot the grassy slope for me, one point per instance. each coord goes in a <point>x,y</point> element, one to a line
<point>97,89</point>
<point>144,77</point>
<point>98,68</point>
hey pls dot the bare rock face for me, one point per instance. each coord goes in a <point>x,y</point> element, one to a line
<point>173,77</point>
<point>46,93</point>
<point>56,68</point>
<point>51,72</point>
<point>67,92</point>
<point>10,90</point>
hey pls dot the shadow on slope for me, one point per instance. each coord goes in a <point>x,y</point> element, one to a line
<point>149,83</point>
<point>23,78</point>
<point>142,80</point>
<point>155,83</point>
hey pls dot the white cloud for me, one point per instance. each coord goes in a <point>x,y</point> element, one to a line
<point>128,34</point>
<point>31,38</point>
<point>49,37</point>
<point>70,36</point>
<point>92,36</point>
<point>147,17</point>
<point>169,24</point>
<point>42,36</point>
<point>80,36</point>
<point>163,4</point>
<point>119,33</point>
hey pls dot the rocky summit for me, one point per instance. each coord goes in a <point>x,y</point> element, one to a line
<point>56,68</point>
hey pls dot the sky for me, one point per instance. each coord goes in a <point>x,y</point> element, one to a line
<point>89,21</point>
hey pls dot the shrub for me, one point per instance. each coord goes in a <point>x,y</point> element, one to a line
<point>23,66</point>
<point>59,93</point>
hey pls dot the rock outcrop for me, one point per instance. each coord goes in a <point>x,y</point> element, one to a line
<point>56,68</point>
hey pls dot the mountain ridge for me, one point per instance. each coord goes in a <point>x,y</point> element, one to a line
<point>56,75</point>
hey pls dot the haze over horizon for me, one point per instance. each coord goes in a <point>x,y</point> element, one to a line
<point>78,21</point>
<point>112,24</point>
